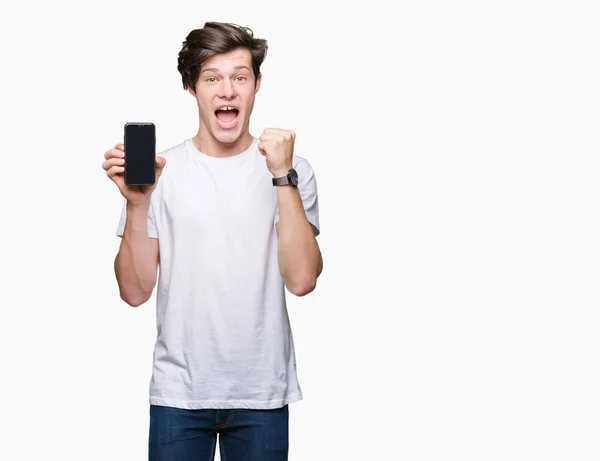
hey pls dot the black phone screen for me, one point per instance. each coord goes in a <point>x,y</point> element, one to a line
<point>140,154</point>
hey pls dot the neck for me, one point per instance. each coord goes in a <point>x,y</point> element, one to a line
<point>206,143</point>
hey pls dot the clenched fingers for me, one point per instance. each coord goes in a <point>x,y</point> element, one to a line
<point>114,171</point>
<point>113,161</point>
<point>114,153</point>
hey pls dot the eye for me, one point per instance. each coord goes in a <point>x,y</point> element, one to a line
<point>241,78</point>
<point>211,79</point>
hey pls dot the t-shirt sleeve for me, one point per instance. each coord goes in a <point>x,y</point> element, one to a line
<point>307,186</point>
<point>151,222</point>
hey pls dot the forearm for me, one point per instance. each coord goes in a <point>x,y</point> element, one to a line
<point>299,256</point>
<point>136,263</point>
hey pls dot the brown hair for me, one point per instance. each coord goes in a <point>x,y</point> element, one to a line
<point>214,38</point>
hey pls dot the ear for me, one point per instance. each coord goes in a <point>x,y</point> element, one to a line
<point>192,89</point>
<point>257,86</point>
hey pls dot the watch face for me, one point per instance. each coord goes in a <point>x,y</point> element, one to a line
<point>293,177</point>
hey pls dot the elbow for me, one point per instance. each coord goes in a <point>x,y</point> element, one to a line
<point>135,299</point>
<point>134,302</point>
<point>303,286</point>
<point>133,292</point>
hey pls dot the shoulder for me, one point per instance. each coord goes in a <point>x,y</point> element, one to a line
<point>176,157</point>
<point>304,168</point>
<point>173,152</point>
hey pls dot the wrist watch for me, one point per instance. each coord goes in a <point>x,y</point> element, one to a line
<point>291,178</point>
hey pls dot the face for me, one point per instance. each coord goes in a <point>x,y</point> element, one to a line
<point>225,94</point>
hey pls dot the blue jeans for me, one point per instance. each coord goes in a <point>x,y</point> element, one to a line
<point>249,435</point>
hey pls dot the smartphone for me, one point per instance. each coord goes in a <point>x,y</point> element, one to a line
<point>140,154</point>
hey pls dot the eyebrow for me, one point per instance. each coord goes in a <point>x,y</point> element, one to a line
<point>214,69</point>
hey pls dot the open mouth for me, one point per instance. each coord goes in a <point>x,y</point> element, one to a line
<point>227,116</point>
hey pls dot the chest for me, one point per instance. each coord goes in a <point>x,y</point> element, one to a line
<point>237,200</point>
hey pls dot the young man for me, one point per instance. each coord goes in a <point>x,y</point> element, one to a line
<point>232,221</point>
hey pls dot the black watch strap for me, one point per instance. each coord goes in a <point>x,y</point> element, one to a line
<point>282,181</point>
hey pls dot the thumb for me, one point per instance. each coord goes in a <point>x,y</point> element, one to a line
<point>262,147</point>
<point>161,162</point>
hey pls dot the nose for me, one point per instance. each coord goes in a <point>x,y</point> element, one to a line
<point>227,89</point>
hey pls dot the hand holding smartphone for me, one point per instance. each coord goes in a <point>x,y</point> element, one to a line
<point>134,166</point>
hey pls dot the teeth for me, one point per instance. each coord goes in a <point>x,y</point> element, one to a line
<point>227,108</point>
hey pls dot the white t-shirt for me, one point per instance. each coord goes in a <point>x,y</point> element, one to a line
<point>223,334</point>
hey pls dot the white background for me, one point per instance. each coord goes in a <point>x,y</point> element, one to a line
<point>456,151</point>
